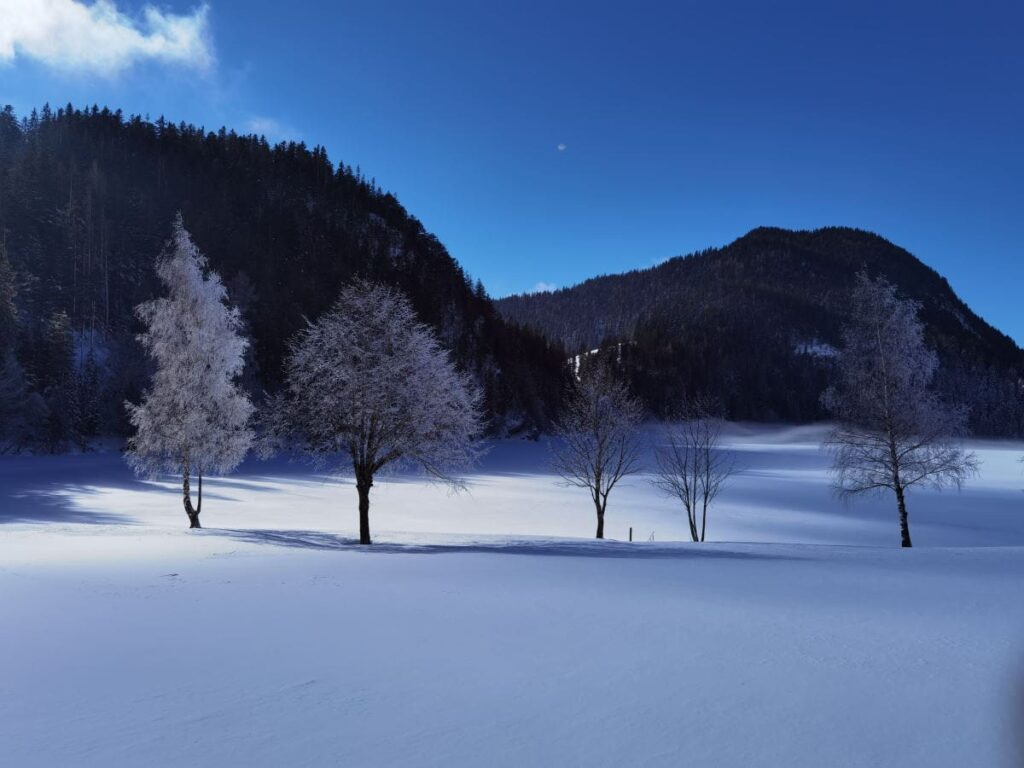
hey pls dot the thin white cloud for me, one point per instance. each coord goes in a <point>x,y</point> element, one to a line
<point>562,147</point>
<point>271,129</point>
<point>74,36</point>
<point>544,288</point>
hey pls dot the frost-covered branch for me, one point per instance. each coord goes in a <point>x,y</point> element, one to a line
<point>895,432</point>
<point>194,418</point>
<point>371,383</point>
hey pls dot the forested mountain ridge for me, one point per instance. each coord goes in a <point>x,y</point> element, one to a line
<point>87,198</point>
<point>754,323</point>
<point>86,202</point>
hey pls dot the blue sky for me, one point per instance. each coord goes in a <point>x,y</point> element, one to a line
<point>681,125</point>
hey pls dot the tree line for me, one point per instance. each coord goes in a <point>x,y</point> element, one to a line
<point>755,325</point>
<point>86,196</point>
<point>368,385</point>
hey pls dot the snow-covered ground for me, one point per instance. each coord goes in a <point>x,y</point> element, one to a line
<point>476,631</point>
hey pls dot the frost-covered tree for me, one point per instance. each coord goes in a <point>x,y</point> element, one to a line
<point>692,467</point>
<point>894,431</point>
<point>194,418</point>
<point>371,383</point>
<point>598,436</point>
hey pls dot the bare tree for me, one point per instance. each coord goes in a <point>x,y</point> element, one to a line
<point>692,467</point>
<point>895,432</point>
<point>368,381</point>
<point>598,436</point>
<point>194,418</point>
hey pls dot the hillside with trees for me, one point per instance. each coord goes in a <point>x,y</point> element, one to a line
<point>756,325</point>
<point>87,199</point>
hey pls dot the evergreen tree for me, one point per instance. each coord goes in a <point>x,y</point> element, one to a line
<point>8,309</point>
<point>56,378</point>
<point>755,325</point>
<point>90,397</point>
<point>22,411</point>
<point>84,194</point>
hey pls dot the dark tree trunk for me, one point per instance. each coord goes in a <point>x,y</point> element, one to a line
<point>364,510</point>
<point>692,519</point>
<point>192,512</point>
<point>904,525</point>
<point>600,522</point>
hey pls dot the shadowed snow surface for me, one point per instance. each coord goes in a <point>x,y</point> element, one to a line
<point>477,632</point>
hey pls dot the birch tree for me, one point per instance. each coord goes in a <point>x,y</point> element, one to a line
<point>894,433</point>
<point>194,418</point>
<point>692,467</point>
<point>369,382</point>
<point>598,436</point>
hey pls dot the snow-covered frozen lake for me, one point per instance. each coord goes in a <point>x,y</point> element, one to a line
<point>486,628</point>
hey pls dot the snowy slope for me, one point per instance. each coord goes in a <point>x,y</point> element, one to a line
<point>475,633</point>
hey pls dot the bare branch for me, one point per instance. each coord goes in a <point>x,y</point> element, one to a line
<point>598,436</point>
<point>692,467</point>
<point>895,433</point>
<point>369,382</point>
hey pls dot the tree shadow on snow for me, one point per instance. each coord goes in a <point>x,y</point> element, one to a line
<point>557,548</point>
<point>54,503</point>
<point>30,494</point>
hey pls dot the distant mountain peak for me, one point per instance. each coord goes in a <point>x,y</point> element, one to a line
<point>736,322</point>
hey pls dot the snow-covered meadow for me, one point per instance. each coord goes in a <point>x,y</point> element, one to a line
<point>487,628</point>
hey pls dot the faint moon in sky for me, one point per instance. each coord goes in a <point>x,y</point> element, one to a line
<point>562,147</point>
